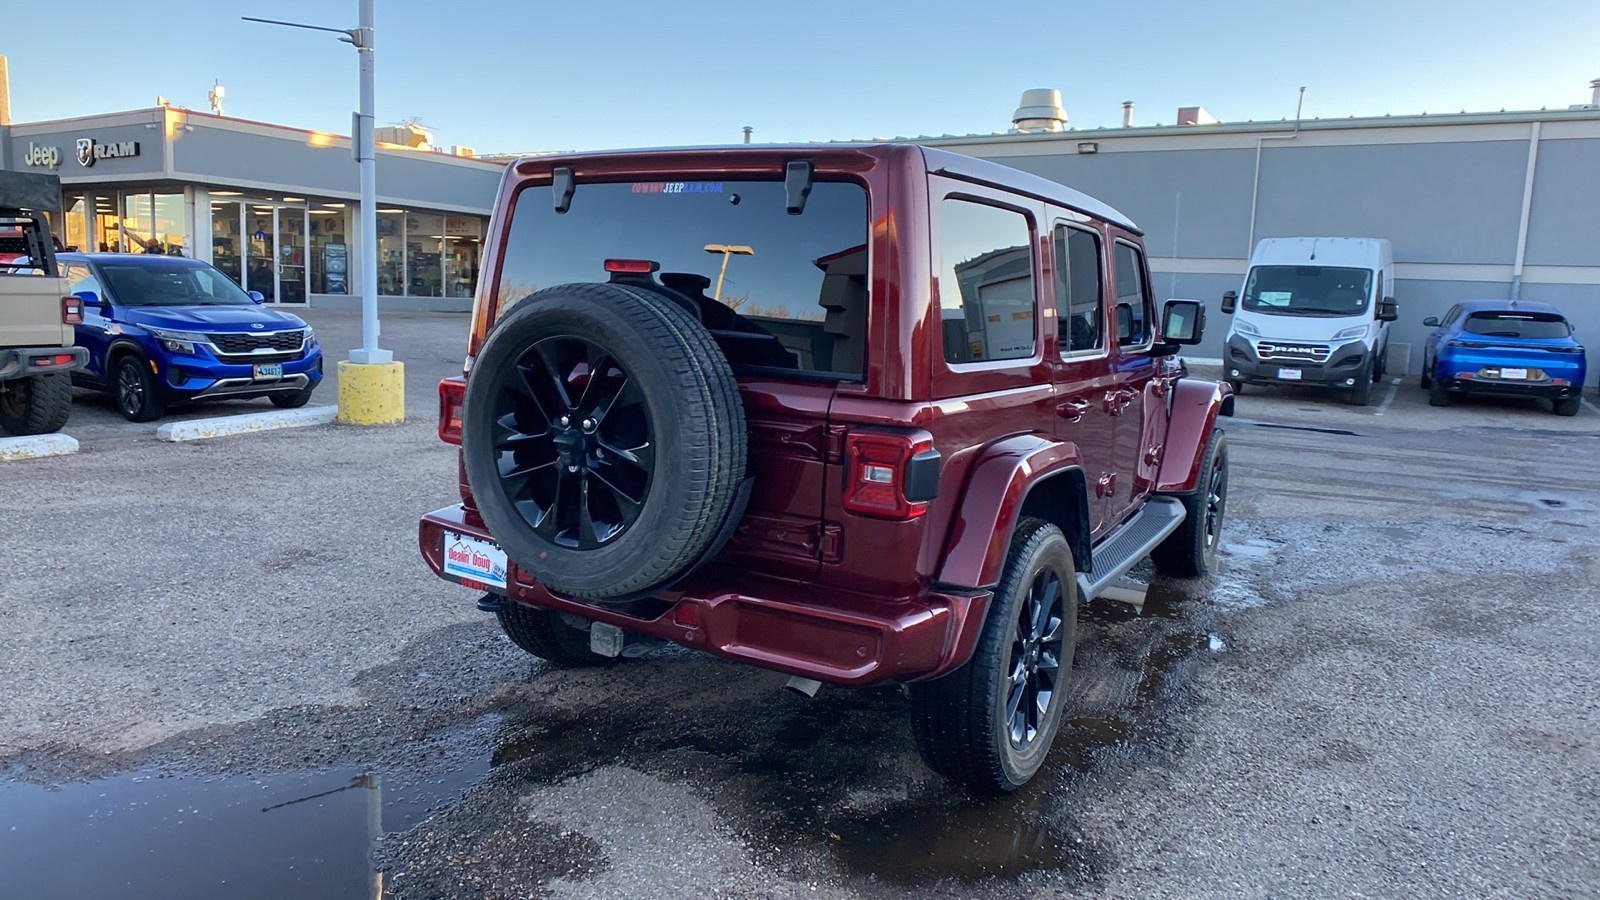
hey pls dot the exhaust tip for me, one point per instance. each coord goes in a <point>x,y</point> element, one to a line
<point>806,687</point>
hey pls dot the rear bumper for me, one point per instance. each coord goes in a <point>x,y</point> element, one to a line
<point>825,634</point>
<point>1494,387</point>
<point>20,362</point>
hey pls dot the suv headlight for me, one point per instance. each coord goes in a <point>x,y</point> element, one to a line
<point>177,341</point>
<point>1353,334</point>
<point>1240,327</point>
<point>311,336</point>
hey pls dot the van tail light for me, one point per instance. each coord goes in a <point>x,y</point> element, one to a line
<point>452,391</point>
<point>71,310</point>
<point>890,475</point>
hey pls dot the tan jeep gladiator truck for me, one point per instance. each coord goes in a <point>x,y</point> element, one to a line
<point>37,315</point>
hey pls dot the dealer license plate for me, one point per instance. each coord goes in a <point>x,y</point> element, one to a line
<point>1289,374</point>
<point>1518,374</point>
<point>269,371</point>
<point>469,558</point>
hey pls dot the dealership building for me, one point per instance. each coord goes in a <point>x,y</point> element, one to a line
<point>275,207</point>
<point>1476,205</point>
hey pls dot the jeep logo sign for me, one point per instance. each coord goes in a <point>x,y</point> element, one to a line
<point>49,157</point>
<point>89,150</point>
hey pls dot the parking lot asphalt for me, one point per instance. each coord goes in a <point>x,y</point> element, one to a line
<point>229,674</point>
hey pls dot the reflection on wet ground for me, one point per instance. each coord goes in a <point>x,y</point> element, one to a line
<point>836,777</point>
<point>149,835</point>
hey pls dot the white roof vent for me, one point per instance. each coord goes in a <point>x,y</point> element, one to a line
<point>1195,115</point>
<point>1040,110</point>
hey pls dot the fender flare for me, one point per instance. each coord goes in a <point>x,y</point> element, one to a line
<point>996,488</point>
<point>1195,407</point>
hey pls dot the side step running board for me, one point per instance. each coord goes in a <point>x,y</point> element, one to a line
<point>1131,542</point>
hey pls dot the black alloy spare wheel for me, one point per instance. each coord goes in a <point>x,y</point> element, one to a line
<point>603,438</point>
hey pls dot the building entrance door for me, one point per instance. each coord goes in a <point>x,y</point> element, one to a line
<point>275,251</point>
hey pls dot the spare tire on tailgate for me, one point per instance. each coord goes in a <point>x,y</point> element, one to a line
<point>603,438</point>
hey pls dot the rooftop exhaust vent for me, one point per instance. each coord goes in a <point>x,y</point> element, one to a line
<point>1195,115</point>
<point>1040,110</point>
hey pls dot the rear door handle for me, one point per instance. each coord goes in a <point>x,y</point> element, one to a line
<point>1073,409</point>
<point>1117,401</point>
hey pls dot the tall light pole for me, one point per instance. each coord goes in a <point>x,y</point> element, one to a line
<point>363,144</point>
<point>726,250</point>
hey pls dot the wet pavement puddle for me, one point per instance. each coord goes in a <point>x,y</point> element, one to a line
<point>142,835</point>
<point>836,774</point>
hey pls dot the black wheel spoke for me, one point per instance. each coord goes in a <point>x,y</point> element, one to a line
<point>574,442</point>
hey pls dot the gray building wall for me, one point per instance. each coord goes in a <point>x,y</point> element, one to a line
<point>1446,191</point>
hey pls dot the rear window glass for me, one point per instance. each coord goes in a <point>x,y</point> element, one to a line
<point>1517,325</point>
<point>777,291</point>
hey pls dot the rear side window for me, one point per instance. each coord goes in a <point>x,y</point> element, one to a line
<point>777,291</point>
<point>1132,313</point>
<point>986,289</point>
<point>1080,308</point>
<point>1516,325</point>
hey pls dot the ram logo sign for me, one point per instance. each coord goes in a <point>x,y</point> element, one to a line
<point>90,150</point>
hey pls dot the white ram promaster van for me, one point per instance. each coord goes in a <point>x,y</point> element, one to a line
<point>1313,311</point>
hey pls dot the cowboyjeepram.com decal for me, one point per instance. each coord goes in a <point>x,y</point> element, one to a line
<point>677,187</point>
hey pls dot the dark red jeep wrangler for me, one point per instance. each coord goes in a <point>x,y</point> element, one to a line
<point>860,414</point>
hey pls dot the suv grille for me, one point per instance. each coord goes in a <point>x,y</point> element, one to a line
<point>1316,353</point>
<point>243,342</point>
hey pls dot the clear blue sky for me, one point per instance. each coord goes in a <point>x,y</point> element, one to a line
<point>500,75</point>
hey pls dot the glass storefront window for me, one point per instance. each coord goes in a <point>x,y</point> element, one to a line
<point>138,225</point>
<point>225,237</point>
<point>463,236</point>
<point>330,249</point>
<point>259,250</point>
<point>391,252</point>
<point>167,231</point>
<point>424,249</point>
<point>74,234</point>
<point>107,232</point>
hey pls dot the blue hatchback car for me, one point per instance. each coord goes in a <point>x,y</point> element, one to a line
<point>163,330</point>
<point>1499,348</point>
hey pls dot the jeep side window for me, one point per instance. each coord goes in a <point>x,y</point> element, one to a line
<point>986,292</point>
<point>1131,297</point>
<point>1080,307</point>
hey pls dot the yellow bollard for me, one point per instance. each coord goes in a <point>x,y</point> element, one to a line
<point>371,393</point>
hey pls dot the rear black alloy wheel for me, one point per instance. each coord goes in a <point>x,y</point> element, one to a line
<point>573,442</point>
<point>135,391</point>
<point>990,723</point>
<point>1192,549</point>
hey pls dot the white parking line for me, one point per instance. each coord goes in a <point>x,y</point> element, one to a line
<point>1592,408</point>
<point>221,426</point>
<point>1394,388</point>
<point>34,446</point>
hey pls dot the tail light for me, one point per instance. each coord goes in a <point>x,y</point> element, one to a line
<point>632,266</point>
<point>890,475</point>
<point>452,391</point>
<point>71,310</point>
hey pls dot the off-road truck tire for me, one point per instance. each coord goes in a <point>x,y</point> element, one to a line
<point>603,488</point>
<point>1192,549</point>
<point>37,404</point>
<point>963,722</point>
<point>545,634</point>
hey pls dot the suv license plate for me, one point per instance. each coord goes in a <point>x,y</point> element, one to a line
<point>471,559</point>
<point>1289,374</point>
<point>1518,374</point>
<point>269,371</point>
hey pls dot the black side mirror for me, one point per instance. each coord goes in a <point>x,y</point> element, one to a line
<point>1183,322</point>
<point>1387,310</point>
<point>1229,300</point>
<point>1124,324</point>
<point>1431,321</point>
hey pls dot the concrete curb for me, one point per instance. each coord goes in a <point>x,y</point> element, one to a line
<point>222,426</point>
<point>34,446</point>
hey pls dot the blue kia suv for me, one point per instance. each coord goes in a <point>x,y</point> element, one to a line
<point>1497,348</point>
<point>164,330</point>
